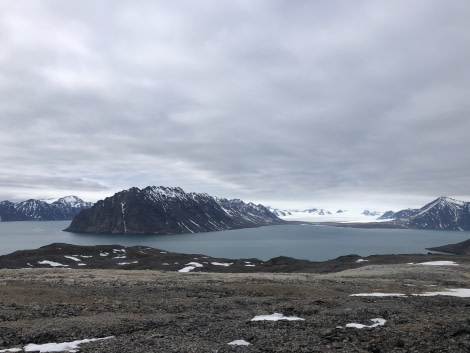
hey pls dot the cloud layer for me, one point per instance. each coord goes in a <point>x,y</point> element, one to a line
<point>270,101</point>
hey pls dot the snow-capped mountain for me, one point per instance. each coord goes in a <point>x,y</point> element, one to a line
<point>166,210</point>
<point>324,215</point>
<point>40,210</point>
<point>444,213</point>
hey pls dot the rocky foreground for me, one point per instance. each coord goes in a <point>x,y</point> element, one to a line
<point>169,311</point>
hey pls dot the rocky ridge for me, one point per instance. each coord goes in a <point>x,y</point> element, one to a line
<point>68,256</point>
<point>444,213</point>
<point>165,210</point>
<point>61,209</point>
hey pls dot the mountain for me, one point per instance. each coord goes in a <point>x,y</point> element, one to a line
<point>444,213</point>
<point>41,210</point>
<point>165,210</point>
<point>324,215</point>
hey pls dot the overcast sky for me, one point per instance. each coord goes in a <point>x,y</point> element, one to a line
<point>286,103</point>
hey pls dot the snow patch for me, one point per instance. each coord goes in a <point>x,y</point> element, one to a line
<point>60,347</point>
<point>187,269</point>
<point>104,253</point>
<point>226,264</point>
<point>195,264</point>
<point>239,343</point>
<point>438,263</point>
<point>376,322</point>
<point>361,260</point>
<point>378,294</point>
<point>72,258</point>
<point>190,266</point>
<point>275,317</point>
<point>453,292</point>
<point>52,263</point>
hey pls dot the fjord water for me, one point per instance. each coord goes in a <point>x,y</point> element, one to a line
<point>312,242</point>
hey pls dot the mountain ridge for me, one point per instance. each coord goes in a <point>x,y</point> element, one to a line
<point>62,209</point>
<point>443,213</point>
<point>168,210</point>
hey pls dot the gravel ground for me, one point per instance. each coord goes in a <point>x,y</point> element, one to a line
<point>155,311</point>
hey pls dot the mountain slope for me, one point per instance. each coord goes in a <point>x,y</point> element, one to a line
<point>444,213</point>
<point>164,210</point>
<point>37,210</point>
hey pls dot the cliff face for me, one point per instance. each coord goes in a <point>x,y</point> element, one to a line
<point>163,210</point>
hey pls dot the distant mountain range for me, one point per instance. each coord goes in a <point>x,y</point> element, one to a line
<point>321,214</point>
<point>166,210</point>
<point>444,213</point>
<point>61,209</point>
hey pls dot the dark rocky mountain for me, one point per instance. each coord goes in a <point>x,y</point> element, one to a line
<point>38,210</point>
<point>444,213</point>
<point>165,210</point>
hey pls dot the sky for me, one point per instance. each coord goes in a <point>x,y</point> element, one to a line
<point>292,104</point>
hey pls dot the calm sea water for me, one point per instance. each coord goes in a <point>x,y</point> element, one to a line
<point>317,243</point>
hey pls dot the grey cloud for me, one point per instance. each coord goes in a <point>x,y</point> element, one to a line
<point>265,100</point>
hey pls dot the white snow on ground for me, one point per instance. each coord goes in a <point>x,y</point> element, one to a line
<point>187,269</point>
<point>72,258</point>
<point>376,322</point>
<point>378,294</point>
<point>453,292</point>
<point>361,260</point>
<point>54,347</point>
<point>226,264</point>
<point>438,263</point>
<point>195,264</point>
<point>52,263</point>
<point>239,343</point>
<point>190,266</point>
<point>81,264</point>
<point>250,265</point>
<point>275,317</point>
<point>120,257</point>
<point>60,347</point>
<point>104,254</point>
